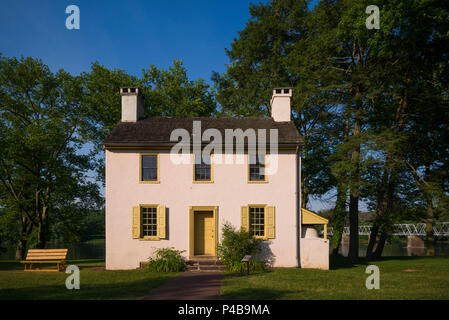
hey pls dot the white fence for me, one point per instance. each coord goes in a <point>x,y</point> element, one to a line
<point>440,229</point>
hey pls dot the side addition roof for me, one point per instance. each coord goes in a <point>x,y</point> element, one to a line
<point>309,217</point>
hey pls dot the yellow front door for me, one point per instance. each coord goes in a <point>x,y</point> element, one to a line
<point>204,233</point>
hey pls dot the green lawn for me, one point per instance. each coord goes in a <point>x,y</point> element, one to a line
<point>126,284</point>
<point>400,278</point>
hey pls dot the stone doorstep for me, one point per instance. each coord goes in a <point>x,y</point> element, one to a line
<point>206,269</point>
<point>212,262</point>
<point>205,265</point>
<point>197,265</point>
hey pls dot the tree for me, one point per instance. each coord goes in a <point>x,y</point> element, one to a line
<point>411,119</point>
<point>166,92</point>
<point>269,53</point>
<point>355,99</point>
<point>40,137</point>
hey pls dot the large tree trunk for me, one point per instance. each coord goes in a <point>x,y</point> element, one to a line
<point>385,196</point>
<point>354,197</point>
<point>339,217</point>
<point>372,240</point>
<point>430,238</point>
<point>42,231</point>
<point>304,193</point>
<point>380,245</point>
<point>379,215</point>
<point>389,208</point>
<point>340,206</point>
<point>25,231</point>
<point>21,249</point>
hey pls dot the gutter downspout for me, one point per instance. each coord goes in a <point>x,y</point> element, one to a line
<point>298,205</point>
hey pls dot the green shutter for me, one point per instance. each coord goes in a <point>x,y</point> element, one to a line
<point>245,218</point>
<point>161,222</point>
<point>270,223</point>
<point>136,223</point>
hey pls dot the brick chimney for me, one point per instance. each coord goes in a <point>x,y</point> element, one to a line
<point>280,104</point>
<point>132,104</point>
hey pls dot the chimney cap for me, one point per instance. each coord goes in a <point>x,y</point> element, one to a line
<point>286,91</point>
<point>130,91</point>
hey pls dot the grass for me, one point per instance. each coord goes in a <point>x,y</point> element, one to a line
<point>400,278</point>
<point>94,284</point>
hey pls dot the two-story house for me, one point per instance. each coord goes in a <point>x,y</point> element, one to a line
<point>157,198</point>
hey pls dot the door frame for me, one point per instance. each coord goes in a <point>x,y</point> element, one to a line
<point>192,211</point>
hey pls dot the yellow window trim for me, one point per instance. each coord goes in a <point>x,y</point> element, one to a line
<point>140,168</point>
<point>211,171</point>
<point>249,219</point>
<point>258,181</point>
<point>149,238</point>
<point>266,217</point>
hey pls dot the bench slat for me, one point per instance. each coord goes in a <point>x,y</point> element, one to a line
<point>31,253</point>
<point>47,254</point>
<point>58,256</point>
<point>41,261</point>
<point>54,249</point>
<point>46,258</point>
<point>47,250</point>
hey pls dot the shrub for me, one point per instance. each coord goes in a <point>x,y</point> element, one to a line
<point>166,260</point>
<point>237,244</point>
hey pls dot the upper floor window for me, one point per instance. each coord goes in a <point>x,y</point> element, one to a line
<point>256,169</point>
<point>149,168</point>
<point>202,168</point>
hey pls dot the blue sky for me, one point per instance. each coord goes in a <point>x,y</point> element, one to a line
<point>128,35</point>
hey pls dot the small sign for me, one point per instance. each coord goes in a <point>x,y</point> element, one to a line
<point>246,258</point>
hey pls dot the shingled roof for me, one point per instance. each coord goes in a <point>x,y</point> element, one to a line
<point>156,131</point>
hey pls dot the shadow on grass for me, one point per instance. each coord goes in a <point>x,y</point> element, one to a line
<point>11,265</point>
<point>91,291</point>
<point>404,258</point>
<point>341,262</point>
<point>257,294</point>
<point>243,274</point>
<point>82,264</point>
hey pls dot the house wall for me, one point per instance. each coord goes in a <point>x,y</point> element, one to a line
<point>315,253</point>
<point>229,191</point>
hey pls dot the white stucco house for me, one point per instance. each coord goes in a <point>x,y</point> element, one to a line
<point>156,198</point>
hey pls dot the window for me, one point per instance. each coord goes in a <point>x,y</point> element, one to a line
<point>149,222</point>
<point>259,220</point>
<point>149,168</point>
<point>202,169</point>
<point>256,169</point>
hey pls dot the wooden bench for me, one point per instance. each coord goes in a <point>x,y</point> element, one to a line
<point>35,256</point>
